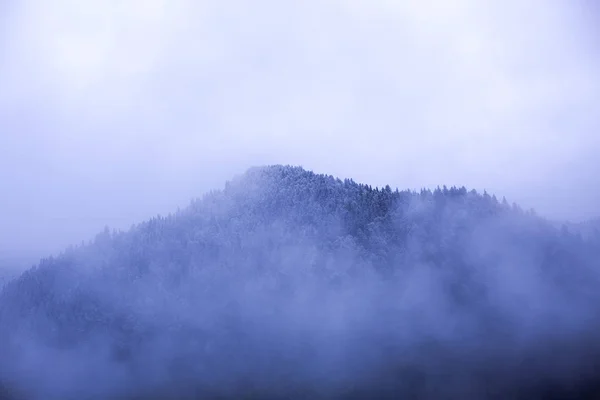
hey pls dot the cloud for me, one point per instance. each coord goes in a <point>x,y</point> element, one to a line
<point>114,111</point>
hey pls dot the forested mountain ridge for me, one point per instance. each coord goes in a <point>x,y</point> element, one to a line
<point>288,283</point>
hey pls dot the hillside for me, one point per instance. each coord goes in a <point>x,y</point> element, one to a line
<point>291,284</point>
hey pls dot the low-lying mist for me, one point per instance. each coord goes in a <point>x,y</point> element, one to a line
<point>288,284</point>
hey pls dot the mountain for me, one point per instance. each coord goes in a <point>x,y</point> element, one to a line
<point>291,284</point>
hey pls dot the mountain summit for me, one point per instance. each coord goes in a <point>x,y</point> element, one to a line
<point>291,284</point>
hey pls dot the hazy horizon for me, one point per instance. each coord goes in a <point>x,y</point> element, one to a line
<point>113,112</point>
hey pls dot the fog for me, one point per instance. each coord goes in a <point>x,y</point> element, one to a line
<point>112,112</point>
<point>291,285</point>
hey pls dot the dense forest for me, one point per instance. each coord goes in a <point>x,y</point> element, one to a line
<point>290,284</point>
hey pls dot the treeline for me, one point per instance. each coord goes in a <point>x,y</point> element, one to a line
<point>287,280</point>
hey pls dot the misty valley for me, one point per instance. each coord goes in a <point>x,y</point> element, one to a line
<point>288,284</point>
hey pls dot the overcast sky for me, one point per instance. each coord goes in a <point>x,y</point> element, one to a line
<point>112,111</point>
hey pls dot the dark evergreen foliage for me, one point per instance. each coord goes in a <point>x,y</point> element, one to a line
<point>290,284</point>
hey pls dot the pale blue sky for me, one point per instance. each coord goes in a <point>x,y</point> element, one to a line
<point>112,111</point>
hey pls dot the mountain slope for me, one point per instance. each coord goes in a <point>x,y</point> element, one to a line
<point>293,284</point>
